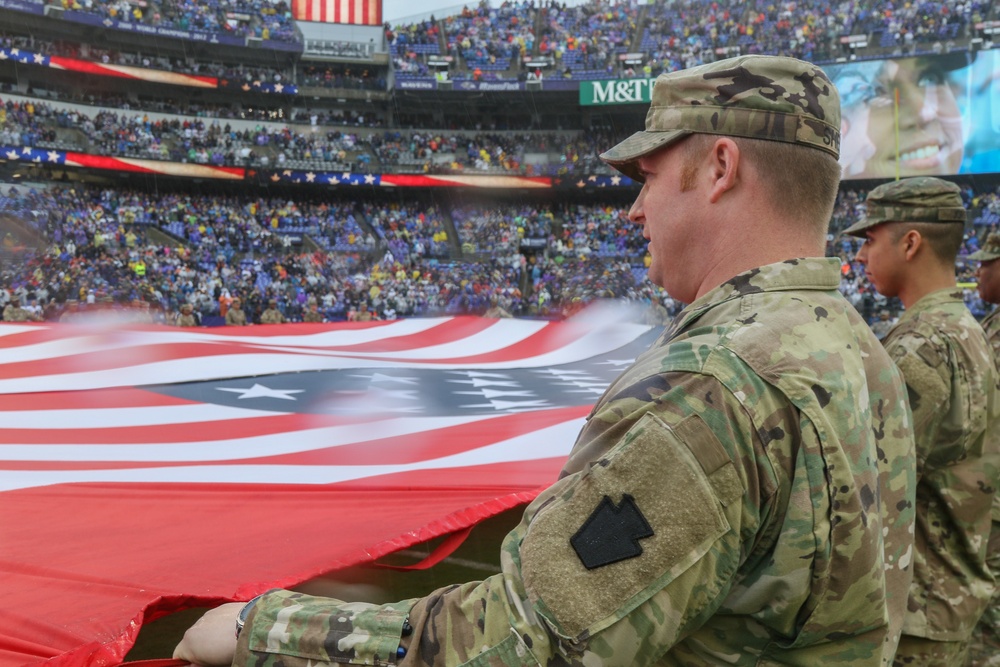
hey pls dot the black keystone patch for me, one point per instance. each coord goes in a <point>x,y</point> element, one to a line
<point>611,533</point>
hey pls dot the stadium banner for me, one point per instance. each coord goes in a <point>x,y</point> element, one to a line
<point>23,6</point>
<point>351,12</point>
<point>465,85</point>
<point>460,179</point>
<point>919,116</point>
<point>175,33</point>
<point>416,84</point>
<point>25,57</point>
<point>260,87</point>
<point>616,91</point>
<point>51,157</point>
<point>134,458</point>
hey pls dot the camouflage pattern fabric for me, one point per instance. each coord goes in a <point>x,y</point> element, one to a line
<point>921,199</point>
<point>951,381</point>
<point>920,652</point>
<point>18,314</point>
<point>984,649</point>
<point>312,316</point>
<point>762,450</point>
<point>186,320</point>
<point>758,97</point>
<point>990,249</point>
<point>985,646</point>
<point>236,317</point>
<point>272,316</point>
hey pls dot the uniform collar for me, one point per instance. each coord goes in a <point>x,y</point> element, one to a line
<point>933,299</point>
<point>807,273</point>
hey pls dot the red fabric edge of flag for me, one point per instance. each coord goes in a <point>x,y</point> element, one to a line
<point>113,652</point>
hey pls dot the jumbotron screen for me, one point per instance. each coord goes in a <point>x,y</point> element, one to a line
<point>920,116</point>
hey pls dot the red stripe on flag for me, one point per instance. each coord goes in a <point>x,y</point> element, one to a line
<point>96,399</point>
<point>124,357</point>
<point>414,448</point>
<point>86,67</point>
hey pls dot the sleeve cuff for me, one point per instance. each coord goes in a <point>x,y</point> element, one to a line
<point>297,629</point>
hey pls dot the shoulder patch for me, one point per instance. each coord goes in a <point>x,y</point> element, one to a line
<point>611,533</point>
<point>616,555</point>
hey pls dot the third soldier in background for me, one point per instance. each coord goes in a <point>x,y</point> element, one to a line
<point>985,650</point>
<point>913,230</point>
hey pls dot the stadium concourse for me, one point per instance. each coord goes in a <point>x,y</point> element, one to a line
<point>389,186</point>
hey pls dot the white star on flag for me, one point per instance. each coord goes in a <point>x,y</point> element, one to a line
<point>616,180</point>
<point>478,382</point>
<point>508,405</point>
<point>310,177</point>
<point>260,391</point>
<point>39,58</point>
<point>379,377</point>
<point>495,393</point>
<point>369,179</point>
<point>53,156</point>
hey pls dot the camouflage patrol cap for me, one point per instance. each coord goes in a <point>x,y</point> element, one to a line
<point>920,199</point>
<point>990,249</point>
<point>759,97</point>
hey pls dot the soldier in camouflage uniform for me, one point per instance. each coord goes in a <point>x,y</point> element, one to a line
<point>742,495</point>
<point>272,315</point>
<point>312,313</point>
<point>985,648</point>
<point>913,229</point>
<point>186,317</point>
<point>13,312</point>
<point>235,316</point>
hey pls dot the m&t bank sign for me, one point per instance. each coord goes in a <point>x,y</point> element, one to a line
<point>619,91</point>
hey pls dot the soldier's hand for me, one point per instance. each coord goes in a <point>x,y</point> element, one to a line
<point>211,641</point>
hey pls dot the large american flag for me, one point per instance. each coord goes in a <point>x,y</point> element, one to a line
<point>356,12</point>
<point>147,469</point>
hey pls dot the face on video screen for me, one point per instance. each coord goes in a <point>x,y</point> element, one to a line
<point>930,129</point>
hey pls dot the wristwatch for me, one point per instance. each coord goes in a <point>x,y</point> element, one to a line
<point>241,619</point>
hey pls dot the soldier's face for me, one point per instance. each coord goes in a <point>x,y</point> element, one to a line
<point>666,208</point>
<point>988,275</point>
<point>883,258</point>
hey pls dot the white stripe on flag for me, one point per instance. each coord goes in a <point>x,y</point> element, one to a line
<point>552,442</point>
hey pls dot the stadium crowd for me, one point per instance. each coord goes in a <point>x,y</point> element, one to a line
<point>266,19</point>
<point>373,260</point>
<point>212,141</point>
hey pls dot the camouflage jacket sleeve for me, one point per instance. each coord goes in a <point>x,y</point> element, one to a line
<point>926,368</point>
<point>664,478</point>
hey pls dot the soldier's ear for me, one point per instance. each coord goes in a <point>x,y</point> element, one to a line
<point>725,163</point>
<point>911,243</point>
